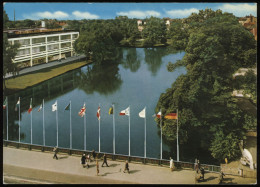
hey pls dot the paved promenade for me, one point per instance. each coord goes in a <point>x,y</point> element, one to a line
<point>46,65</point>
<point>34,167</point>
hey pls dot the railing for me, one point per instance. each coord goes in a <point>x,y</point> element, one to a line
<point>118,157</point>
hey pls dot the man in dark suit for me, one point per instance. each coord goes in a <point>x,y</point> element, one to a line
<point>105,160</point>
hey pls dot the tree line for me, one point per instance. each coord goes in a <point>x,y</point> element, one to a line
<point>216,46</point>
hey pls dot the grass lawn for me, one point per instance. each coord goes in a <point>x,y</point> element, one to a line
<point>24,81</point>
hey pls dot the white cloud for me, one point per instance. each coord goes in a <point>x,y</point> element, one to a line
<point>139,14</point>
<point>181,13</point>
<point>239,10</point>
<point>48,15</point>
<point>84,15</point>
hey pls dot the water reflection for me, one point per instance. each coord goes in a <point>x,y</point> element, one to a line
<point>131,61</point>
<point>153,58</point>
<point>102,78</point>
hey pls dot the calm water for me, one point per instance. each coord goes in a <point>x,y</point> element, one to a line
<point>136,80</point>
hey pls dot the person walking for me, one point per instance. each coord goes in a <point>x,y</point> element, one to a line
<point>94,154</point>
<point>221,177</point>
<point>55,150</point>
<point>83,160</point>
<point>126,167</point>
<point>88,158</point>
<point>97,166</point>
<point>171,163</point>
<point>202,171</point>
<point>198,164</point>
<point>105,160</point>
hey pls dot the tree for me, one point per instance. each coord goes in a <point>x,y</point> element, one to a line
<point>9,53</point>
<point>154,31</point>
<point>216,48</point>
<point>99,39</point>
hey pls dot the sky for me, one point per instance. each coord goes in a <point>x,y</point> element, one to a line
<point>82,10</point>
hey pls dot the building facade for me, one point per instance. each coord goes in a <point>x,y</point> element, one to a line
<point>44,47</point>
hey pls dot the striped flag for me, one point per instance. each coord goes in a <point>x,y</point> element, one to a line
<point>158,115</point>
<point>17,104</point>
<point>124,112</point>
<point>171,116</point>
<point>5,103</point>
<point>98,113</point>
<point>82,111</point>
<point>40,108</point>
<point>30,108</point>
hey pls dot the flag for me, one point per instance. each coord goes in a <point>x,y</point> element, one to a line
<point>158,115</point>
<point>30,109</point>
<point>5,103</point>
<point>98,113</point>
<point>142,113</point>
<point>67,107</point>
<point>110,110</point>
<point>82,111</point>
<point>54,107</point>
<point>171,116</point>
<point>40,108</point>
<point>124,112</point>
<point>17,104</point>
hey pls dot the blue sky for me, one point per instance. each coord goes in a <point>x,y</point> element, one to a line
<point>78,11</point>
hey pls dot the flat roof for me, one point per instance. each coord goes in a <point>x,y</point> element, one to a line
<point>13,35</point>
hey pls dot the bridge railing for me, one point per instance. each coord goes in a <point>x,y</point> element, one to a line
<point>118,157</point>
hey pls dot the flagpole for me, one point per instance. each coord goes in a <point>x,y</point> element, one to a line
<point>84,131</point>
<point>99,131</point>
<point>145,133</point>
<point>177,138</point>
<point>19,119</point>
<point>7,117</point>
<point>31,123</point>
<point>43,127</point>
<point>114,147</point>
<point>57,124</point>
<point>129,131</point>
<point>161,131</point>
<point>70,129</point>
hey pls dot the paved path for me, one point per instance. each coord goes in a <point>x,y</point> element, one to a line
<point>22,166</point>
<point>46,65</point>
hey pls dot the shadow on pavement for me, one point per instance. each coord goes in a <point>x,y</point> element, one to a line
<point>209,178</point>
<point>62,157</point>
<point>105,174</point>
<point>133,171</point>
<point>113,165</point>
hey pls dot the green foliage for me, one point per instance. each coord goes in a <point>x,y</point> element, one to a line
<point>154,30</point>
<point>250,122</point>
<point>225,146</point>
<point>99,40</point>
<point>217,46</point>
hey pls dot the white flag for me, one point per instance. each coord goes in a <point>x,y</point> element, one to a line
<point>125,112</point>
<point>54,107</point>
<point>142,113</point>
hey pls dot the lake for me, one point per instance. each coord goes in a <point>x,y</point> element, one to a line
<point>137,79</point>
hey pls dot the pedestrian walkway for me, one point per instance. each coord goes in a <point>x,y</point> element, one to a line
<point>47,65</point>
<point>37,165</point>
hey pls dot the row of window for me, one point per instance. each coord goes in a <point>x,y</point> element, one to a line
<point>42,39</point>
<point>26,51</point>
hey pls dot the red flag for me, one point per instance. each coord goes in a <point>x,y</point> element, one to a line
<point>82,111</point>
<point>171,116</point>
<point>30,109</point>
<point>98,113</point>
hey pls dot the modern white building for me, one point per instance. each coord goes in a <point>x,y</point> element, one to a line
<point>43,47</point>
